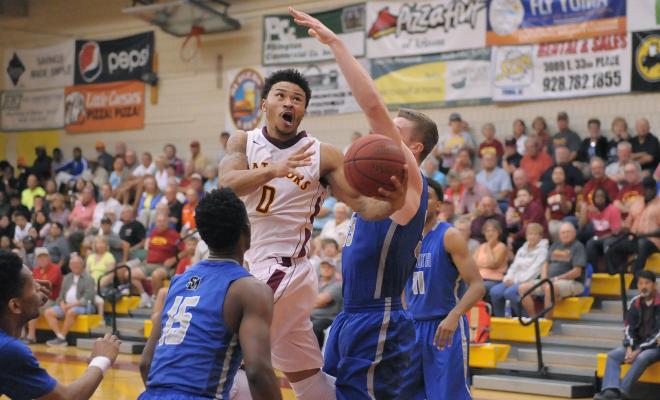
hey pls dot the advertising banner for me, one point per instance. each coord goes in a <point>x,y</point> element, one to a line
<point>245,86</point>
<point>39,68</point>
<point>586,67</point>
<point>285,42</point>
<point>537,21</point>
<point>104,107</point>
<point>32,109</point>
<point>643,15</point>
<point>120,59</point>
<point>448,79</point>
<point>646,61</point>
<point>397,29</point>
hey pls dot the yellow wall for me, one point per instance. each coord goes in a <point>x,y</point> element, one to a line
<point>192,105</point>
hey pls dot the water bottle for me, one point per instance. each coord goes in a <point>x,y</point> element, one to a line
<point>507,309</point>
<point>89,309</point>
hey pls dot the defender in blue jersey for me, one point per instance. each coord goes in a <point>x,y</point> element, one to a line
<point>438,365</point>
<point>370,341</point>
<point>215,315</point>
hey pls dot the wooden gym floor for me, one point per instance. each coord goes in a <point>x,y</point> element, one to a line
<point>123,381</point>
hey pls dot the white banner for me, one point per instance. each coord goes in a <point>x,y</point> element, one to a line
<point>39,68</point>
<point>330,92</point>
<point>28,110</point>
<point>423,27</point>
<point>643,15</point>
<point>587,67</point>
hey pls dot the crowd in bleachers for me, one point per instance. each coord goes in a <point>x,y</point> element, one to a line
<point>533,206</point>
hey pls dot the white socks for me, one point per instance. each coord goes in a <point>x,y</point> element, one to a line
<point>320,386</point>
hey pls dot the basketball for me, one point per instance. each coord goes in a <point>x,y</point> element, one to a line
<point>370,162</point>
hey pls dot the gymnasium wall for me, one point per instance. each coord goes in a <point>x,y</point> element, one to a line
<point>192,100</point>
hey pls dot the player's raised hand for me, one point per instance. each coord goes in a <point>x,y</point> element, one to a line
<point>300,158</point>
<point>444,335</point>
<point>316,28</point>
<point>396,197</point>
<point>107,346</point>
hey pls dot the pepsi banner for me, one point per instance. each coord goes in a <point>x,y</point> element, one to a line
<point>114,60</point>
<point>104,107</point>
<point>537,21</point>
<point>424,27</point>
<point>287,43</point>
<point>646,61</point>
<point>39,68</point>
<point>577,68</point>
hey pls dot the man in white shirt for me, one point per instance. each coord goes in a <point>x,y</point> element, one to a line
<point>147,167</point>
<point>450,143</point>
<point>109,204</point>
<point>614,171</point>
<point>337,228</point>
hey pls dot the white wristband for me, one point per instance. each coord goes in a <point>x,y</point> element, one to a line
<point>103,363</point>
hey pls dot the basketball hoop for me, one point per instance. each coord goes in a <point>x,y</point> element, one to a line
<point>192,44</point>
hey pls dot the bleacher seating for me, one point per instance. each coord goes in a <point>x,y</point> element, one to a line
<point>651,375</point>
<point>124,306</point>
<point>510,329</point>
<point>488,355</point>
<point>83,325</point>
<point>608,285</point>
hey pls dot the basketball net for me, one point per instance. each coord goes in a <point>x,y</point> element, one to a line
<point>192,44</point>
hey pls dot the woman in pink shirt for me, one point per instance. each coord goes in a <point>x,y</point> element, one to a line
<point>601,221</point>
<point>491,257</point>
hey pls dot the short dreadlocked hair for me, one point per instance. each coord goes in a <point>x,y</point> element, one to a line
<point>221,218</point>
<point>288,75</point>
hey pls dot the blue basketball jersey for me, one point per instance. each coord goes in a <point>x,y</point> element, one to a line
<point>431,291</point>
<point>198,353</point>
<point>379,256</point>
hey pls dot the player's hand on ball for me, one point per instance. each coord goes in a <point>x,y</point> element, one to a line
<point>300,158</point>
<point>316,27</point>
<point>107,346</point>
<point>396,197</point>
<point>444,335</point>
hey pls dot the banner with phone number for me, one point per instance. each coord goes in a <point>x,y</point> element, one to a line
<point>577,68</point>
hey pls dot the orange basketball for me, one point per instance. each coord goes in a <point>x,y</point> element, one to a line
<point>371,161</point>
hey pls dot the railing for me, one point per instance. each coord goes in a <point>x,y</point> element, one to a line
<point>542,369</point>
<point>113,293</point>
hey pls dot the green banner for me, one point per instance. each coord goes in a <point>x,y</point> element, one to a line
<point>284,42</point>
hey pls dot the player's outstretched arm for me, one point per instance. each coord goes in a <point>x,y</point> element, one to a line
<point>150,347</point>
<point>85,386</point>
<point>358,79</point>
<point>332,168</point>
<point>234,171</point>
<point>457,248</point>
<point>252,300</point>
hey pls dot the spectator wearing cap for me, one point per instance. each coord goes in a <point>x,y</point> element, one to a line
<point>76,298</point>
<point>173,161</point>
<point>107,204</point>
<point>615,170</point>
<point>564,267</point>
<point>540,130</point>
<point>46,270</point>
<point>512,158</point>
<point>224,138</point>
<point>620,134</point>
<point>565,137</point>
<point>451,142</point>
<point>574,176</point>
<point>197,161</point>
<point>645,146</point>
<point>328,302</point>
<point>491,145</point>
<point>473,191</point>
<point>337,228</point>
<point>640,345</point>
<point>595,145</point>
<point>496,179</point>
<point>197,183</point>
<point>535,161</point>
<point>42,165</point>
<point>520,134</point>
<point>31,191</point>
<point>188,211</point>
<point>149,199</point>
<point>73,169</point>
<point>23,225</point>
<point>103,158</point>
<point>644,219</point>
<point>598,180</point>
<point>56,244</point>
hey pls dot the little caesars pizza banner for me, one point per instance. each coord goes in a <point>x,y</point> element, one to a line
<point>587,67</point>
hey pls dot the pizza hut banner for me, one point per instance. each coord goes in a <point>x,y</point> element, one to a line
<point>104,107</point>
<point>287,43</point>
<point>39,68</point>
<point>586,67</point>
<point>121,59</point>
<point>423,27</point>
<point>537,21</point>
<point>23,110</point>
